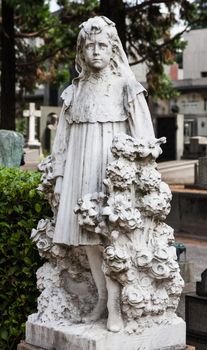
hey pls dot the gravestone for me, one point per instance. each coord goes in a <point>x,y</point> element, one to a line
<point>200,175</point>
<point>196,314</point>
<point>11,148</point>
<point>32,113</point>
<point>196,148</point>
<point>202,172</point>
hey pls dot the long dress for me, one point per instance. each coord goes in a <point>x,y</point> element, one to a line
<point>93,112</point>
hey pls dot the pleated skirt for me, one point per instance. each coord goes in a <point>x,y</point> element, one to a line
<point>88,153</point>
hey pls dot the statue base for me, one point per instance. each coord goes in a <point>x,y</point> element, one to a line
<point>96,337</point>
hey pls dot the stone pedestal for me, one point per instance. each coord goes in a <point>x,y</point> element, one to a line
<point>96,337</point>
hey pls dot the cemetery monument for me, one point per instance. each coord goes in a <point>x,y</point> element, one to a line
<point>111,280</point>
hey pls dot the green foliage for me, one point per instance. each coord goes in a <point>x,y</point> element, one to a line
<point>21,207</point>
<point>45,42</point>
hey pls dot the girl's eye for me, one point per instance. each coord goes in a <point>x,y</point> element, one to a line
<point>89,46</point>
<point>102,45</point>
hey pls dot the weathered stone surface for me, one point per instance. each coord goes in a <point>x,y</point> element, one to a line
<point>96,337</point>
<point>25,346</point>
<point>106,194</point>
<point>11,148</point>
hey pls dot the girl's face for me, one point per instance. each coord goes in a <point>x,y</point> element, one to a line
<point>97,51</point>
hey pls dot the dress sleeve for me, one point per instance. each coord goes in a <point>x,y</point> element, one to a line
<point>59,151</point>
<point>60,144</point>
<point>139,117</point>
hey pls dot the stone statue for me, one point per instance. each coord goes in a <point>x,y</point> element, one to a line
<point>108,200</point>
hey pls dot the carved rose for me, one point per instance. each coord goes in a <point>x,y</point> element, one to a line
<point>160,270</point>
<point>144,258</point>
<point>133,301</point>
<point>116,259</point>
<point>161,254</point>
<point>44,244</point>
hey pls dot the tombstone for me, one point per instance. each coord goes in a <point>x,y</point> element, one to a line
<point>196,314</point>
<point>202,172</point>
<point>200,175</point>
<point>32,113</point>
<point>11,148</point>
<point>48,124</point>
<point>196,148</point>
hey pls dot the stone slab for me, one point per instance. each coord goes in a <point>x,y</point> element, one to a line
<point>96,337</point>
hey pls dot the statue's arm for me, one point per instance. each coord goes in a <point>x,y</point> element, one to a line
<point>59,150</point>
<point>140,121</point>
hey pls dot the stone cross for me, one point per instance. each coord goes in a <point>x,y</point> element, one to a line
<point>32,113</point>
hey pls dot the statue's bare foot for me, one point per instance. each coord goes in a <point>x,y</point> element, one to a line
<point>115,322</point>
<point>97,312</point>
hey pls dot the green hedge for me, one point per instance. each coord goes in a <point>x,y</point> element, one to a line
<point>21,206</point>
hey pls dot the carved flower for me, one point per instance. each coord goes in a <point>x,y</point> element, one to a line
<point>160,270</point>
<point>148,178</point>
<point>133,301</point>
<point>44,244</point>
<point>161,254</point>
<point>117,206</point>
<point>88,209</point>
<point>124,145</point>
<point>121,173</point>
<point>116,259</point>
<point>165,232</point>
<point>42,224</point>
<point>132,220</point>
<point>119,211</point>
<point>50,230</point>
<point>35,235</point>
<point>156,203</point>
<point>144,258</point>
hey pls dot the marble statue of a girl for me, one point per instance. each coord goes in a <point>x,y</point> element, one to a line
<point>104,100</point>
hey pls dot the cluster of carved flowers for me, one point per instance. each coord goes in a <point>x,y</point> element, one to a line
<point>43,237</point>
<point>47,179</point>
<point>89,209</point>
<point>127,147</point>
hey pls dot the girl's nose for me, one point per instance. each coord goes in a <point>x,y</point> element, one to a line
<point>96,49</point>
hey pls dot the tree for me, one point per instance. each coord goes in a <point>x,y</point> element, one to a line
<point>149,37</point>
<point>45,42</point>
<point>36,47</point>
<point>7,68</point>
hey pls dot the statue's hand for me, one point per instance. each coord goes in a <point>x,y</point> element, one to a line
<point>58,188</point>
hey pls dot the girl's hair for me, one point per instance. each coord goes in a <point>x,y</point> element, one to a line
<point>118,63</point>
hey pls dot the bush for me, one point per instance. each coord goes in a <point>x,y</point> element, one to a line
<point>21,206</point>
